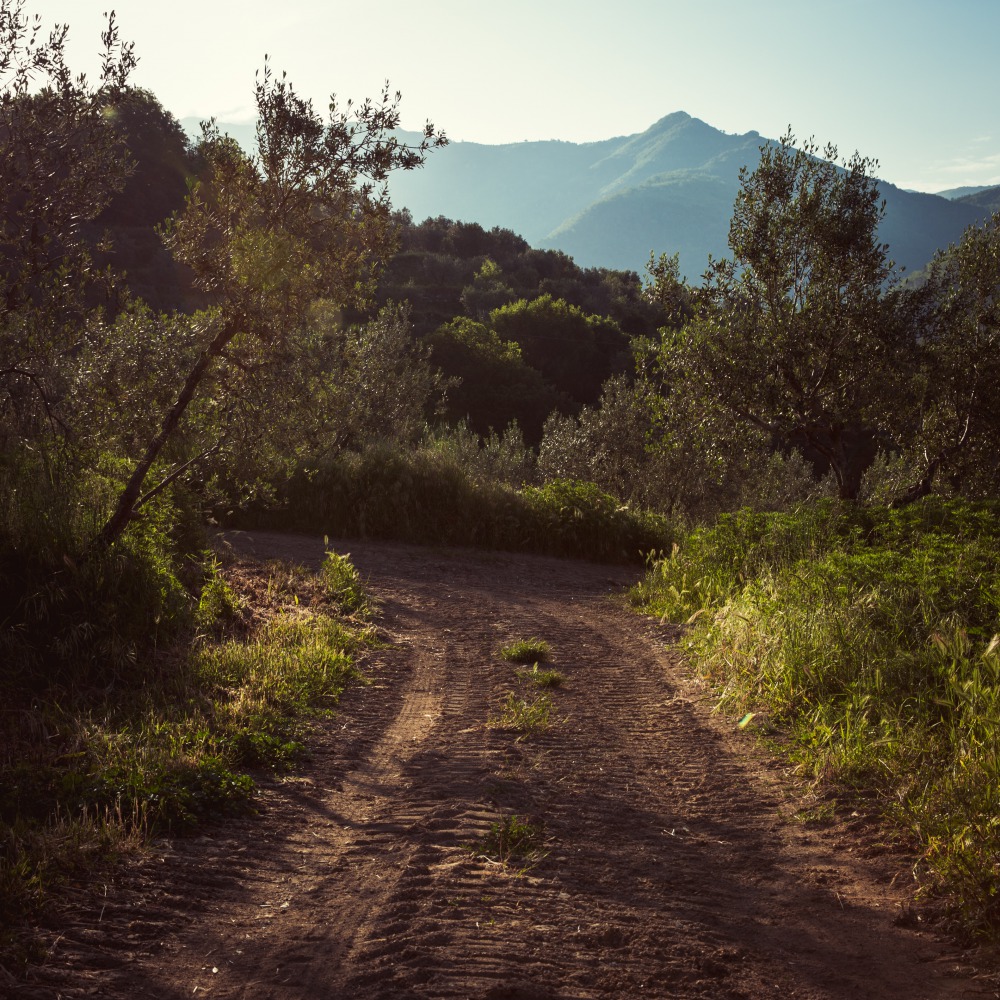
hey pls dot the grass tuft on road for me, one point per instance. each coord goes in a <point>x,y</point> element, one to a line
<point>540,678</point>
<point>525,651</point>
<point>523,715</point>
<point>512,839</point>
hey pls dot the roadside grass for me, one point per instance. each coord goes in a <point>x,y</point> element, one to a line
<point>525,651</point>
<point>871,638</point>
<point>106,741</point>
<point>344,586</point>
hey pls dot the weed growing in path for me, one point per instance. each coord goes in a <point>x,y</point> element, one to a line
<point>540,678</point>
<point>522,715</point>
<point>525,651</point>
<point>511,839</point>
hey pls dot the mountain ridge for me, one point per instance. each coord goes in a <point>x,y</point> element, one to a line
<point>667,189</point>
<point>613,202</point>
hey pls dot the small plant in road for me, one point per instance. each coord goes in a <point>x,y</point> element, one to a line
<point>526,651</point>
<point>523,715</point>
<point>540,678</point>
<point>511,838</point>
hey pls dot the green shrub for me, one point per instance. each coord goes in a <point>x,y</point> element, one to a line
<point>870,636</point>
<point>427,497</point>
<point>573,518</point>
<point>80,617</point>
<point>98,754</point>
<point>343,584</point>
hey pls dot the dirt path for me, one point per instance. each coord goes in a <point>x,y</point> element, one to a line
<point>673,868</point>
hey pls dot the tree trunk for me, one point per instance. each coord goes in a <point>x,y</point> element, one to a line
<point>849,452</point>
<point>129,500</point>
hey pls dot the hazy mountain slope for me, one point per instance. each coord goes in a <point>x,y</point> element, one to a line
<point>536,188</point>
<point>667,189</point>
<point>962,192</point>
<point>689,213</point>
<point>685,211</point>
<point>529,187</point>
<point>916,225</point>
<point>677,142</point>
<point>987,199</point>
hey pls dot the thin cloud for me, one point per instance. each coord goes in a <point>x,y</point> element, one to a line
<point>958,171</point>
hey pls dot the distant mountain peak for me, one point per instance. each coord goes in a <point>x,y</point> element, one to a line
<point>670,121</point>
<point>609,203</point>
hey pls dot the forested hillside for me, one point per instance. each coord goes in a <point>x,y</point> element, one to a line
<point>987,198</point>
<point>194,335</point>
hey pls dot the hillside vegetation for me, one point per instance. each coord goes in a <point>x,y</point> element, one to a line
<point>285,350</point>
<point>867,641</point>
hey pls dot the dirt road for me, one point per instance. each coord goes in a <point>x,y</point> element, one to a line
<point>671,862</point>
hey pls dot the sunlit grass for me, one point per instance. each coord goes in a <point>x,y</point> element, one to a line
<point>525,651</point>
<point>869,637</point>
<point>540,678</point>
<point>87,774</point>
<point>523,715</point>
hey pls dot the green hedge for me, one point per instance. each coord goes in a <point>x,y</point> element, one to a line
<point>425,497</point>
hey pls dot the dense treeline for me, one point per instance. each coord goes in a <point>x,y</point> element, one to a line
<point>190,331</point>
<point>447,269</point>
<point>520,332</point>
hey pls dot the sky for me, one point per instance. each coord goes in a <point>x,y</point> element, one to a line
<point>914,84</point>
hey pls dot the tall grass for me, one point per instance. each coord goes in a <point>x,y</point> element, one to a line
<point>870,637</point>
<point>427,496</point>
<point>139,695</point>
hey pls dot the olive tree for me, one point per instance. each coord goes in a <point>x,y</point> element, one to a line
<point>953,422</point>
<point>305,219</point>
<point>61,162</point>
<point>793,337</point>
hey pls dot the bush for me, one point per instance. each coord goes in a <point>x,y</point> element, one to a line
<point>572,518</point>
<point>77,617</point>
<point>427,496</point>
<point>873,638</point>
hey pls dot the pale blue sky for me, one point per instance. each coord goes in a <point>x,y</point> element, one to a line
<point>912,83</point>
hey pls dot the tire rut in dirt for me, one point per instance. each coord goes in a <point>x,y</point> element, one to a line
<point>592,918</point>
<point>665,875</point>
